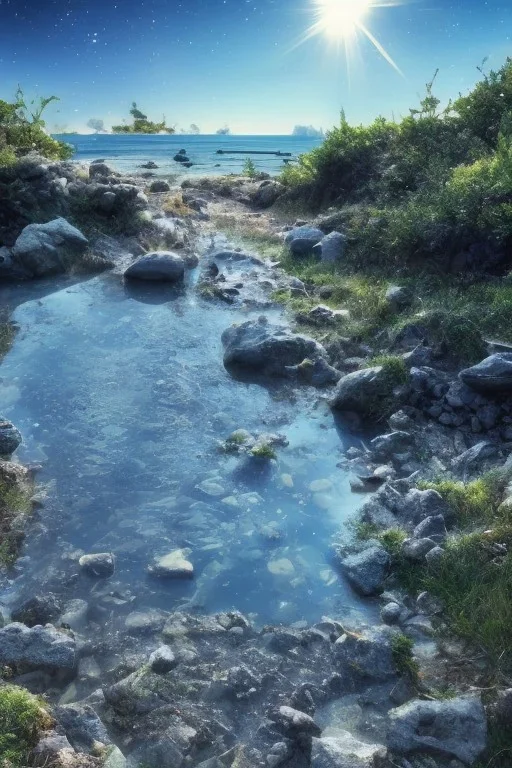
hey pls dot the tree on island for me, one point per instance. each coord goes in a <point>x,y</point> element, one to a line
<point>308,131</point>
<point>226,131</point>
<point>98,126</point>
<point>141,124</point>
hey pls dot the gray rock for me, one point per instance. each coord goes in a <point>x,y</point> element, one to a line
<point>159,186</point>
<point>419,505</point>
<point>367,570</point>
<point>173,566</point>
<point>267,194</point>
<point>361,391</point>
<point>114,759</point>
<point>82,725</point>
<point>159,266</point>
<point>398,298</point>
<point>478,453</point>
<point>100,169</point>
<point>390,613</point>
<point>50,745</point>
<point>49,249</point>
<point>368,656</point>
<point>40,609</point>
<point>345,751</point>
<point>492,376</point>
<point>503,707</point>
<point>37,647</point>
<point>74,614</point>
<point>102,564</point>
<point>428,605</point>
<point>434,556</point>
<point>162,660</point>
<point>416,549</point>
<point>455,727</point>
<point>433,527</point>
<point>385,446</point>
<point>302,240</point>
<point>9,268</point>
<point>269,348</point>
<point>332,247</point>
<point>295,723</point>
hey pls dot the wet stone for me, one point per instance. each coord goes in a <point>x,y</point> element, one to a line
<point>10,438</point>
<point>173,566</point>
<point>101,565</point>
<point>162,660</point>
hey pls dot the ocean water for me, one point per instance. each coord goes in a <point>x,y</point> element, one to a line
<point>128,153</point>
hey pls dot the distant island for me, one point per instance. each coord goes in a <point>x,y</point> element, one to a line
<point>308,131</point>
<point>141,124</point>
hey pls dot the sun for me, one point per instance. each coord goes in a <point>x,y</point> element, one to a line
<point>340,19</point>
<point>343,22</point>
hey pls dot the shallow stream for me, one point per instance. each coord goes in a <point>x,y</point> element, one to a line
<point>122,398</point>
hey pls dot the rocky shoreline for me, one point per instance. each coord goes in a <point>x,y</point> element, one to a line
<point>181,689</point>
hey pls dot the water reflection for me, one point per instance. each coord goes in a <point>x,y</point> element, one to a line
<point>125,403</point>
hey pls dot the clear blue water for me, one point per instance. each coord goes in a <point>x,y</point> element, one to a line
<point>123,399</point>
<point>128,153</point>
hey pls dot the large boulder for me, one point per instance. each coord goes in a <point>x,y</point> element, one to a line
<point>492,376</point>
<point>366,657</point>
<point>49,249</point>
<point>345,751</point>
<point>10,438</point>
<point>159,266</point>
<point>82,725</point>
<point>332,247</point>
<point>367,570</point>
<point>455,728</point>
<point>269,348</point>
<point>362,391</point>
<point>266,194</point>
<point>37,647</point>
<point>302,240</point>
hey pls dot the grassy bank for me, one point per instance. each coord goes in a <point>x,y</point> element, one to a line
<point>23,717</point>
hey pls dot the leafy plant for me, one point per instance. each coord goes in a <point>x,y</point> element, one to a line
<point>22,717</point>
<point>250,169</point>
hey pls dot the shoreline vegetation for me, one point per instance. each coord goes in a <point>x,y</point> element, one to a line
<point>397,281</point>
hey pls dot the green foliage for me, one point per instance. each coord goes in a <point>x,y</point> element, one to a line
<point>22,131</point>
<point>263,451</point>
<point>393,366</point>
<point>482,111</point>
<point>427,188</point>
<point>141,124</point>
<point>250,169</point>
<point>402,650</point>
<point>477,502</point>
<point>392,540</point>
<point>22,717</point>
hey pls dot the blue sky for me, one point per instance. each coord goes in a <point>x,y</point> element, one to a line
<point>234,62</point>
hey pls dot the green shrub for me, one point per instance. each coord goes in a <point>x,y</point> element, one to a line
<point>22,717</point>
<point>249,169</point>
<point>402,650</point>
<point>22,131</point>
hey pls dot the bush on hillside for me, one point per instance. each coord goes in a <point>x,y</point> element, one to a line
<point>22,131</point>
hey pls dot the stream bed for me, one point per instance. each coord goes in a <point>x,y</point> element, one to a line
<point>122,398</point>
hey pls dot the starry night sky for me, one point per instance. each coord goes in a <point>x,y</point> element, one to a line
<point>216,62</point>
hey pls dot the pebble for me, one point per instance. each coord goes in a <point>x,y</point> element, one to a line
<point>281,567</point>
<point>101,565</point>
<point>173,566</point>
<point>162,660</point>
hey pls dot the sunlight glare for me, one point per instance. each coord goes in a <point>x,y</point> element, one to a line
<point>340,19</point>
<point>341,22</point>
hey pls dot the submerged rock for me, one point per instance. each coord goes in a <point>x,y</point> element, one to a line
<point>82,725</point>
<point>302,240</point>
<point>10,438</point>
<point>295,723</point>
<point>101,565</point>
<point>40,609</point>
<point>49,249</point>
<point>162,660</point>
<point>492,376</point>
<point>455,727</point>
<point>270,348</point>
<point>173,566</point>
<point>368,656</point>
<point>158,266</point>
<point>37,647</point>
